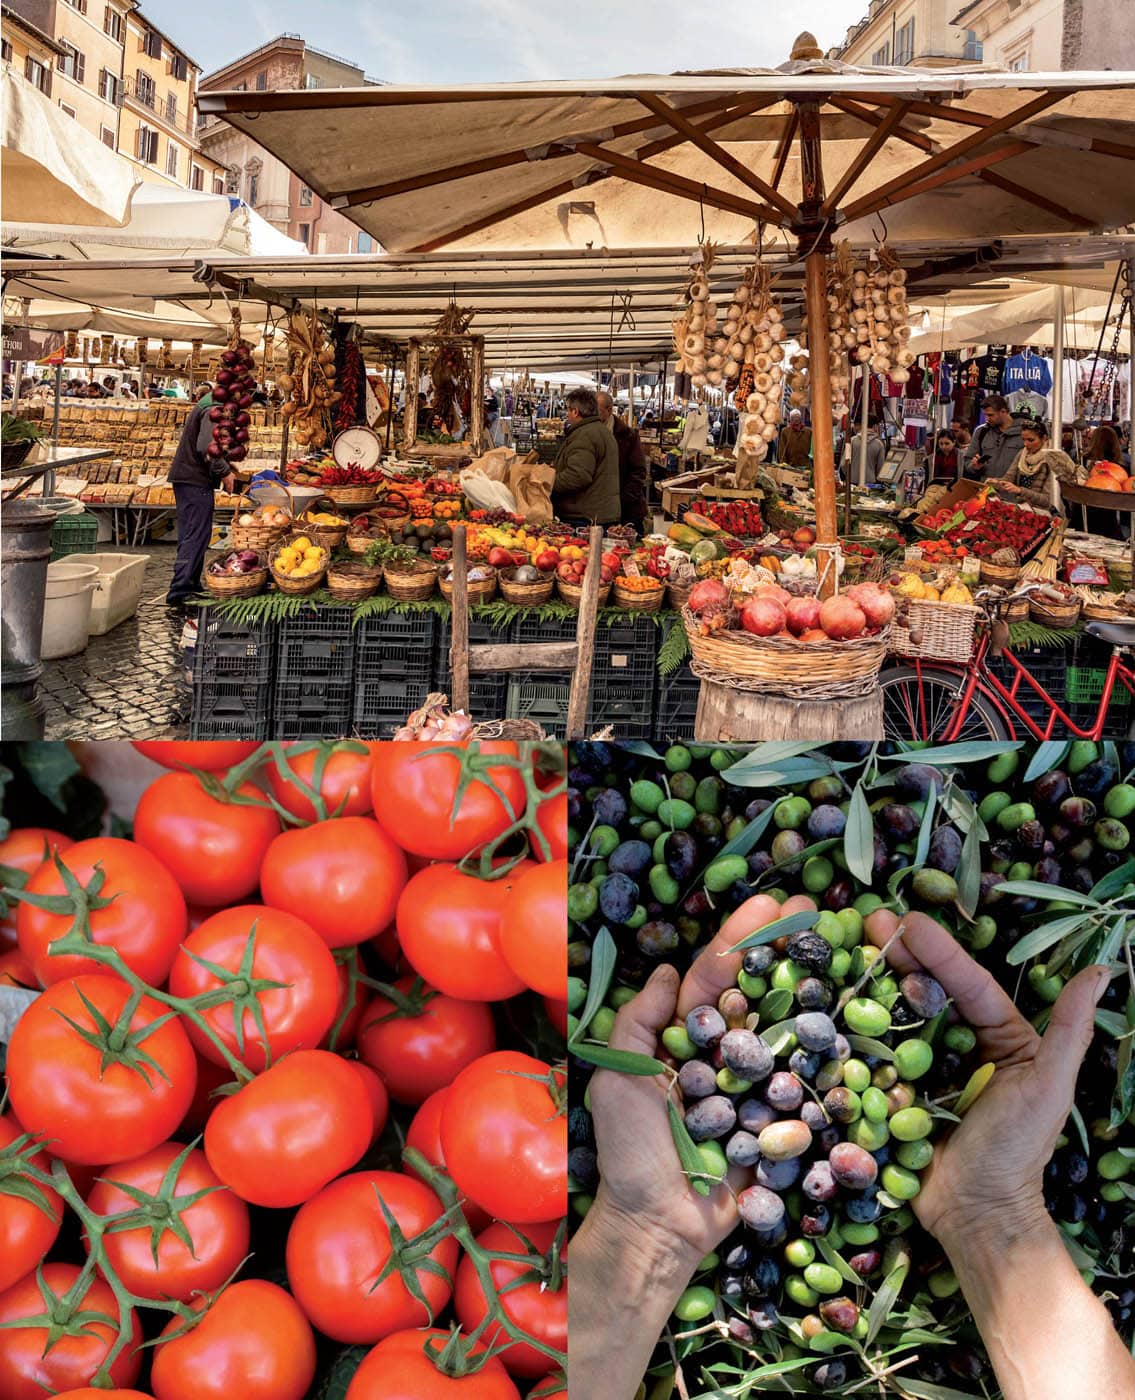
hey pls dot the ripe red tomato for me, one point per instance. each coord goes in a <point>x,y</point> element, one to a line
<point>551,818</point>
<point>551,1389</point>
<point>16,971</point>
<point>343,877</point>
<point>417,1054</point>
<point>213,849</point>
<point>339,1244</point>
<point>210,756</point>
<point>217,1225</point>
<point>414,791</point>
<point>342,1034</point>
<point>253,1343</point>
<point>294,1017</point>
<point>25,849</point>
<point>400,1368</point>
<point>291,1130</point>
<point>542,1312</point>
<point>94,1112</point>
<point>424,1134</point>
<point>449,927</point>
<point>145,919</point>
<point>28,1371</point>
<point>533,930</point>
<point>28,1228</point>
<point>344,786</point>
<point>505,1137</point>
<point>88,1394</point>
<point>376,1092</point>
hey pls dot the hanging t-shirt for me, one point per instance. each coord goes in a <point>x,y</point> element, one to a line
<point>969,375</point>
<point>1026,401</point>
<point>913,389</point>
<point>1026,371</point>
<point>991,368</point>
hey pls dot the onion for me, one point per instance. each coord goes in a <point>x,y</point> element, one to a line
<point>221,394</point>
<point>230,358</point>
<point>244,401</point>
<point>235,454</point>
<point>243,418</point>
<point>225,377</point>
<point>216,413</point>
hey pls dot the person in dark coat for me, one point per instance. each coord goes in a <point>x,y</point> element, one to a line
<point>586,489</point>
<point>194,476</point>
<point>632,463</point>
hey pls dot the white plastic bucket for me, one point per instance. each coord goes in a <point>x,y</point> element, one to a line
<point>118,587</point>
<point>67,609</point>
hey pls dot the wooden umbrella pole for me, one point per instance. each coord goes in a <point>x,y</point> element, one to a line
<point>823,457</point>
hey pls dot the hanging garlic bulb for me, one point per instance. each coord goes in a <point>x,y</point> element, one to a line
<point>776,353</point>
<point>863,354</point>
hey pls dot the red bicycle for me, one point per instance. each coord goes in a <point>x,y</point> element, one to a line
<point>948,702</point>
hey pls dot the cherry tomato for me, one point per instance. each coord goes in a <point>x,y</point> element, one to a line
<point>145,918</point>
<point>414,792</point>
<point>449,927</point>
<point>505,1137</point>
<point>217,1225</point>
<point>293,1128</point>
<point>253,1343</point>
<point>400,1368</point>
<point>533,930</point>
<point>540,1311</point>
<point>416,1054</point>
<point>210,756</point>
<point>424,1134</point>
<point>376,1091</point>
<point>25,849</point>
<point>344,787</point>
<point>29,1370</point>
<point>28,1228</point>
<point>551,818</point>
<point>295,1016</point>
<point>343,877</point>
<point>339,1243</point>
<point>212,848</point>
<point>90,1111</point>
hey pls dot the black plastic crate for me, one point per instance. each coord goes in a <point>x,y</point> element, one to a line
<point>231,652</point>
<point>1048,665</point>
<point>480,634</point>
<point>383,652</point>
<point>628,710</point>
<point>231,709</point>
<point>531,629</point>
<point>539,696</point>
<point>382,704</point>
<point>312,709</point>
<point>676,704</point>
<point>318,642</point>
<point>626,655</point>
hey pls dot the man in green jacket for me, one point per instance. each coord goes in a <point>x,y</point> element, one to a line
<point>586,489</point>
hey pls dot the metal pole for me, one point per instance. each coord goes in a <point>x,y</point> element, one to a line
<point>864,421</point>
<point>49,477</point>
<point>1057,381</point>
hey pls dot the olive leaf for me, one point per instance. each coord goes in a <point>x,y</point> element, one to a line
<point>603,955</point>
<point>1115,881</point>
<point>969,873</point>
<point>779,928</point>
<point>1043,937</point>
<point>776,1037</point>
<point>774,1004</point>
<point>926,829</point>
<point>638,746</point>
<point>1036,889</point>
<point>924,1390</point>
<point>859,836</point>
<point>945,755</point>
<point>624,1061</point>
<point>838,1262</point>
<point>867,1046</point>
<point>974,1086</point>
<point>1048,755</point>
<point>885,1300</point>
<point>688,1153</point>
<point>1124,1084</point>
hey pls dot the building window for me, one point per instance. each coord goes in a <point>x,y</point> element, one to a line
<point>80,5</point>
<point>179,66</point>
<point>253,189</point>
<point>305,196</point>
<point>196,178</point>
<point>146,145</point>
<point>171,160</point>
<point>240,87</point>
<point>311,81</point>
<point>69,110</point>
<point>904,43</point>
<point>1018,62</point>
<point>5,51</point>
<point>113,24</point>
<point>218,185</point>
<point>972,51</point>
<point>72,62</point>
<point>171,106</point>
<point>305,234</point>
<point>232,182</point>
<point>108,86</point>
<point>261,80</point>
<point>882,57</point>
<point>366,243</point>
<point>106,134</point>
<point>36,74</point>
<point>144,89</point>
<point>152,43</point>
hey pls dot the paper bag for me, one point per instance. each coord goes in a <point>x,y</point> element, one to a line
<point>531,484</point>
<point>495,464</point>
<point>484,493</point>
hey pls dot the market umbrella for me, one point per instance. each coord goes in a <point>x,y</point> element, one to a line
<point>50,163</point>
<point>1023,320</point>
<point>811,149</point>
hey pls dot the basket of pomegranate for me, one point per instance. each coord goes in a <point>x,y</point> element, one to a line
<point>795,646</point>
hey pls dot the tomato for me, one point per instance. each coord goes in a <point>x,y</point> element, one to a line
<point>28,1228</point>
<point>213,849</point>
<point>343,1031</point>
<point>339,1243</point>
<point>344,785</point>
<point>533,929</point>
<point>25,849</point>
<point>89,1111</point>
<point>16,971</point>
<point>343,877</point>
<point>416,1054</point>
<point>87,1394</point>
<point>414,792</point>
<point>210,756</point>
<point>424,1134</point>
<point>505,1138</point>
<point>557,1014</point>
<point>551,1389</point>
<point>295,1016</point>
<point>551,818</point>
<point>293,1128</point>
<point>145,918</point>
<point>253,1343</point>
<point>28,1371</point>
<point>400,1368</point>
<point>449,928</point>
<point>376,1092</point>
<point>210,1078</point>
<point>217,1225</point>
<point>540,1311</point>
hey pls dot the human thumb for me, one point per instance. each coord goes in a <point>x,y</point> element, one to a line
<point>1069,1034</point>
<point>639,1022</point>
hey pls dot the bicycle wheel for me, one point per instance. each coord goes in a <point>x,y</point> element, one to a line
<point>923,706</point>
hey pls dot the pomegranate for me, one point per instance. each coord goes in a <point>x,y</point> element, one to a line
<point>814,634</point>
<point>842,619</point>
<point>877,605</point>
<point>762,616</point>
<point>805,536</point>
<point>803,614</point>
<point>774,590</point>
<point>707,596</point>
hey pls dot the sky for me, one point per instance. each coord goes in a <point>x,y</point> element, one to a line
<point>509,40</point>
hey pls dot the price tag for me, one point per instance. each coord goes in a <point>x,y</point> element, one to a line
<point>631,569</point>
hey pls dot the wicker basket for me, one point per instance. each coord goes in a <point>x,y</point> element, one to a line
<point>647,601</point>
<point>478,590</point>
<point>351,495</point>
<point>359,544</point>
<point>1004,575</point>
<point>796,670</point>
<point>1055,614</point>
<point>412,582</point>
<point>259,537</point>
<point>572,593</point>
<point>394,522</point>
<point>351,580</point>
<point>530,594</point>
<point>329,536</point>
<point>297,586</point>
<point>678,595</point>
<point>1018,611</point>
<point>944,631</point>
<point>236,585</point>
<point>1097,612</point>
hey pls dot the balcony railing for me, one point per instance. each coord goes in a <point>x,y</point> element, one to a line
<point>146,96</point>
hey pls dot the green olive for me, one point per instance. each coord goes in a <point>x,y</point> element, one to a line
<point>695,1304</point>
<point>913,1058</point>
<point>900,1182</point>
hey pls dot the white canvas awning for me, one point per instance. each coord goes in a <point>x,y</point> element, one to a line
<point>1024,320</point>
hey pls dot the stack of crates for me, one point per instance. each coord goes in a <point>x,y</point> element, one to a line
<point>541,696</point>
<point>1048,665</point>
<point>676,697</point>
<point>233,667</point>
<point>624,676</point>
<point>394,666</point>
<point>1084,684</point>
<point>315,674</point>
<point>76,532</point>
<point>488,691</point>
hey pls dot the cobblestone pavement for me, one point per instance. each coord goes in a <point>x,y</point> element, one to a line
<point>130,683</point>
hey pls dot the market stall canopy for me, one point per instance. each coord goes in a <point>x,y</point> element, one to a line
<point>50,162</point>
<point>168,322</point>
<point>657,160</point>
<point>179,223</point>
<point>1024,320</point>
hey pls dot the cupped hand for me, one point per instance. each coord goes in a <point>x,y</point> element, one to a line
<point>641,1176</point>
<point>993,1162</point>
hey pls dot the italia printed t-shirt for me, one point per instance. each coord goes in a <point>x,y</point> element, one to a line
<point>1029,372</point>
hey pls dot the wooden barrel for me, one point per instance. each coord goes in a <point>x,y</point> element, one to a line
<point>726,714</point>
